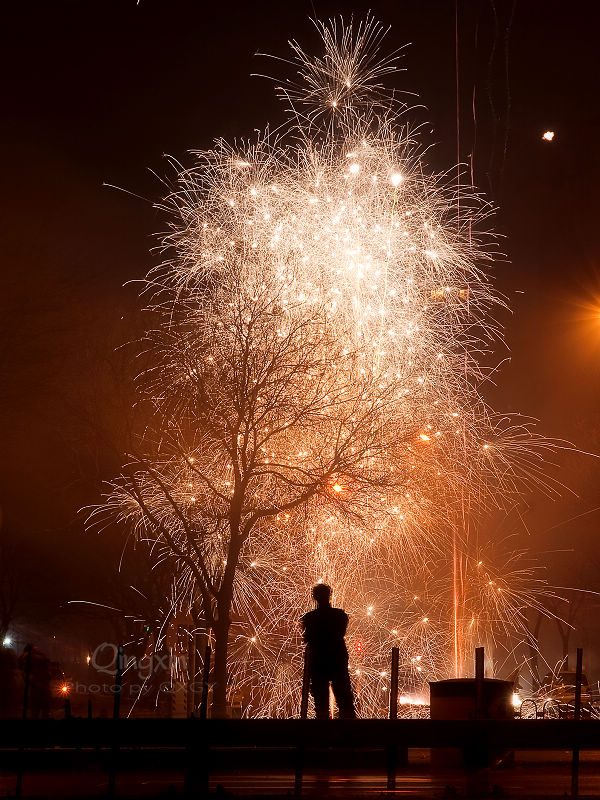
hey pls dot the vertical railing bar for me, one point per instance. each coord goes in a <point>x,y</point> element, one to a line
<point>112,775</point>
<point>479,680</point>
<point>299,772</point>
<point>394,683</point>
<point>21,754</point>
<point>577,715</point>
<point>393,750</point>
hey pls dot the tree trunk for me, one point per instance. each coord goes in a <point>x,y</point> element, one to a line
<point>219,676</point>
<point>222,623</point>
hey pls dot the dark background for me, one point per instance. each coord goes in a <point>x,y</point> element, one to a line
<point>94,92</point>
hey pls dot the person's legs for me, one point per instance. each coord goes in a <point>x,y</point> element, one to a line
<point>319,688</point>
<point>342,690</point>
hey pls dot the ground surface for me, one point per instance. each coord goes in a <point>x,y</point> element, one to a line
<point>532,775</point>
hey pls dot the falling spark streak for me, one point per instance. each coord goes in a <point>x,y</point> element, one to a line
<point>335,228</point>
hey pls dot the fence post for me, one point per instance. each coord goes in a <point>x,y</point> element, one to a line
<point>27,679</point>
<point>118,682</point>
<point>479,678</point>
<point>393,750</point>
<point>195,783</point>
<point>394,683</point>
<point>575,762</point>
<point>476,756</point>
<point>112,775</point>
<point>299,774</point>
<point>21,754</point>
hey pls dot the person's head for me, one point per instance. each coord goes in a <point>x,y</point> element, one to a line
<point>321,593</point>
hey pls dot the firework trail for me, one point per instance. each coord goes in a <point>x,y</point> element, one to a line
<point>332,271</point>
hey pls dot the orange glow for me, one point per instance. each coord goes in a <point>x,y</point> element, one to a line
<point>331,256</point>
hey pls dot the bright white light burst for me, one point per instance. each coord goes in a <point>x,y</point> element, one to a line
<point>340,214</point>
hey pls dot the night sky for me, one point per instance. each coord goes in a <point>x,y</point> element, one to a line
<point>96,92</point>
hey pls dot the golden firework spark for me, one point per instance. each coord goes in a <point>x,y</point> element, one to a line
<point>345,267</point>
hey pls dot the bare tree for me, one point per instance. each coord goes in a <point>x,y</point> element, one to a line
<point>260,411</point>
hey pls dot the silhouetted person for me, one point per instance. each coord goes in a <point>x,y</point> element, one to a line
<point>324,631</point>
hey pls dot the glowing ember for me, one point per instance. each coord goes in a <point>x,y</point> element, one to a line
<point>516,700</point>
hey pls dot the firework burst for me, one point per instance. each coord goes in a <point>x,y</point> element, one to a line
<point>325,322</point>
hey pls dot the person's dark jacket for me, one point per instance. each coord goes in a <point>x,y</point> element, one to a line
<point>324,631</point>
